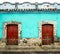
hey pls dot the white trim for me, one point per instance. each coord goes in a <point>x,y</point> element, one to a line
<point>5,28</point>
<point>47,22</point>
<point>27,6</point>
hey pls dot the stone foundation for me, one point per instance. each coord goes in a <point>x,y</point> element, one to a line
<point>31,43</point>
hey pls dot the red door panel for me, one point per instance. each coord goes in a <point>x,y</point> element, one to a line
<point>47,34</point>
<point>12,34</point>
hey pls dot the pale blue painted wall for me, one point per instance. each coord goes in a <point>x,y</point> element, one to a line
<point>29,22</point>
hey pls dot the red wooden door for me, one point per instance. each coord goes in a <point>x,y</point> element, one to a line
<point>12,34</point>
<point>47,34</point>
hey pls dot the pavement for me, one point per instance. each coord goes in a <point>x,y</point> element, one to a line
<point>13,48</point>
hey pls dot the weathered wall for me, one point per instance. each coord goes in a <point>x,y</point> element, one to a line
<point>30,22</point>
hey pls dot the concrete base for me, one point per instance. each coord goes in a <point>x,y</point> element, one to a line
<point>30,45</point>
<point>30,48</point>
<point>32,52</point>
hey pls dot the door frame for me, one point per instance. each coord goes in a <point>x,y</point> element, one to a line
<point>5,30</point>
<point>48,22</point>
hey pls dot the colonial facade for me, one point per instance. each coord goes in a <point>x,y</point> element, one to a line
<point>29,24</point>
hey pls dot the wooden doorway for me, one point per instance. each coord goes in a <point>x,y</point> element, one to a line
<point>12,34</point>
<point>47,34</point>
